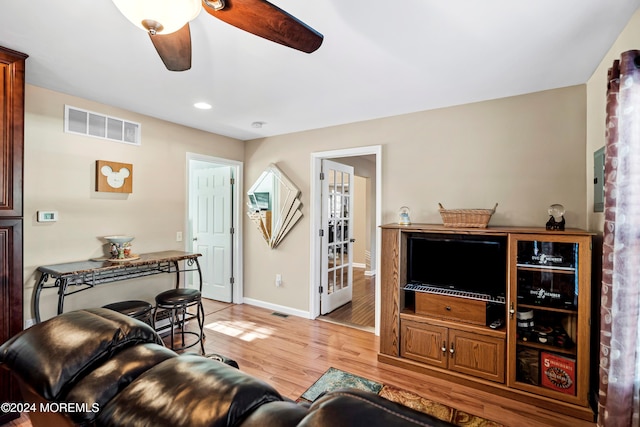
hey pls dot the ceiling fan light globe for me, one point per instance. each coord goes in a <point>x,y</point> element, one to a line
<point>171,15</point>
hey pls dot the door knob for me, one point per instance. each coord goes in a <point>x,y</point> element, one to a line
<point>195,239</point>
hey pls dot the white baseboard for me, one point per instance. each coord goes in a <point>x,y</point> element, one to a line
<point>359,265</point>
<point>279,308</point>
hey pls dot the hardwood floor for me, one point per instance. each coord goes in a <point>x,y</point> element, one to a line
<point>360,312</point>
<point>291,353</point>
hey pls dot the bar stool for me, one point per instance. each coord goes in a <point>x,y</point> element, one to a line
<point>177,302</point>
<point>137,309</point>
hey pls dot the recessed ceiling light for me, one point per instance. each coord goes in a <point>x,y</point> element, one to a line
<point>202,106</point>
<point>258,125</point>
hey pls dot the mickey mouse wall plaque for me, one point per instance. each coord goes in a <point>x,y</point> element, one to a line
<point>114,177</point>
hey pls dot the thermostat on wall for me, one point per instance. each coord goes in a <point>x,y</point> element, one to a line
<point>47,216</point>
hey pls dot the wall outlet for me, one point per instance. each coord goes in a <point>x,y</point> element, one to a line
<point>278,280</point>
<point>179,236</point>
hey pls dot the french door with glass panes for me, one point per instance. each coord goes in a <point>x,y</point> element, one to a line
<point>337,254</point>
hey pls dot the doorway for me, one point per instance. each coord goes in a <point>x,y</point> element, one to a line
<point>213,224</point>
<point>357,157</point>
<point>336,277</point>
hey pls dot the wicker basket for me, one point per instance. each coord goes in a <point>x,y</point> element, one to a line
<point>466,218</point>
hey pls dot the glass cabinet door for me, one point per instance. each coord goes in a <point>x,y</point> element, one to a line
<point>549,307</point>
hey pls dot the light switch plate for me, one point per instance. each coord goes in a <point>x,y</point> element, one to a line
<point>47,216</point>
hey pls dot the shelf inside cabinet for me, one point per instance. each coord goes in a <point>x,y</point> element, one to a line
<point>546,268</point>
<point>540,370</point>
<point>545,347</point>
<point>538,389</point>
<point>550,309</point>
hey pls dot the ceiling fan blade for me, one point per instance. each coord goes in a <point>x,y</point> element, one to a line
<point>268,21</point>
<point>174,49</point>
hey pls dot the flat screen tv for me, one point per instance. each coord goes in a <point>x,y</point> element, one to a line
<point>467,263</point>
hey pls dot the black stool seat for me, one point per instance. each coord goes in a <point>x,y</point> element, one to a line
<point>178,296</point>
<point>137,309</point>
<point>177,302</point>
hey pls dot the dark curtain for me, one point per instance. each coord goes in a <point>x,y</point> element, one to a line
<point>618,404</point>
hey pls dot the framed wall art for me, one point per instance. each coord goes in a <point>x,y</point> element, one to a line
<point>114,177</point>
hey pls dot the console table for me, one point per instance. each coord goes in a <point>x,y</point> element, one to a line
<point>74,277</point>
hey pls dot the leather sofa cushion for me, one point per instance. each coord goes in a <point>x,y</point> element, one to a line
<point>191,391</point>
<point>52,356</point>
<point>104,382</point>
<point>276,414</point>
<point>351,407</point>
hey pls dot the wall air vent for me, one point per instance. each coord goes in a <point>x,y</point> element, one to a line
<point>84,122</point>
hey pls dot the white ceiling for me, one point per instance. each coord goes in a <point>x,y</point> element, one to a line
<point>375,61</point>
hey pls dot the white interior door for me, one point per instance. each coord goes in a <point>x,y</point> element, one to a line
<point>337,254</point>
<point>211,217</point>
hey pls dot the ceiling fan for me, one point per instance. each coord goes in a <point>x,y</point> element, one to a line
<point>167,23</point>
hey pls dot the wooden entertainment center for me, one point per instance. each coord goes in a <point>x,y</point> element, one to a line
<point>538,352</point>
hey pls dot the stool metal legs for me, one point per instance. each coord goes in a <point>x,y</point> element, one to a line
<point>178,316</point>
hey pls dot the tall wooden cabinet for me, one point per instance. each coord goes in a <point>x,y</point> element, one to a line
<point>12,66</point>
<point>539,353</point>
<point>549,315</point>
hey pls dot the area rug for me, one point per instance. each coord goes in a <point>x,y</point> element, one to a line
<point>334,379</point>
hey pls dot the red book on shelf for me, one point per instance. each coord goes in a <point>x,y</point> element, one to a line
<point>558,373</point>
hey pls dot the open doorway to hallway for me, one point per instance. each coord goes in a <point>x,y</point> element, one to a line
<point>362,311</point>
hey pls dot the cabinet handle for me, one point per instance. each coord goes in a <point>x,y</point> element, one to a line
<point>444,347</point>
<point>511,310</point>
<point>451,350</point>
<point>448,308</point>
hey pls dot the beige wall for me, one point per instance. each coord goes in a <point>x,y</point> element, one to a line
<point>360,220</point>
<point>596,109</point>
<point>59,175</point>
<point>524,152</point>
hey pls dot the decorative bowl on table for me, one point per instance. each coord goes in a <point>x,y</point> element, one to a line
<point>119,240</point>
<point>120,248</point>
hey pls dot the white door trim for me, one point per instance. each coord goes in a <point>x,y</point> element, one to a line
<point>315,222</point>
<point>238,293</point>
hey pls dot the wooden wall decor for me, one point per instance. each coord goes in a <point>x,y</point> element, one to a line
<point>114,177</point>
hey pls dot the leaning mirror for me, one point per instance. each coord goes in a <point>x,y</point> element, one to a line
<point>274,205</point>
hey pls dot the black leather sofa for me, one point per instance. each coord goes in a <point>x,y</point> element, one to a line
<point>99,367</point>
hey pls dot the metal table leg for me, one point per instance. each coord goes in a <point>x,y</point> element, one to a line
<point>62,289</point>
<point>36,297</point>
